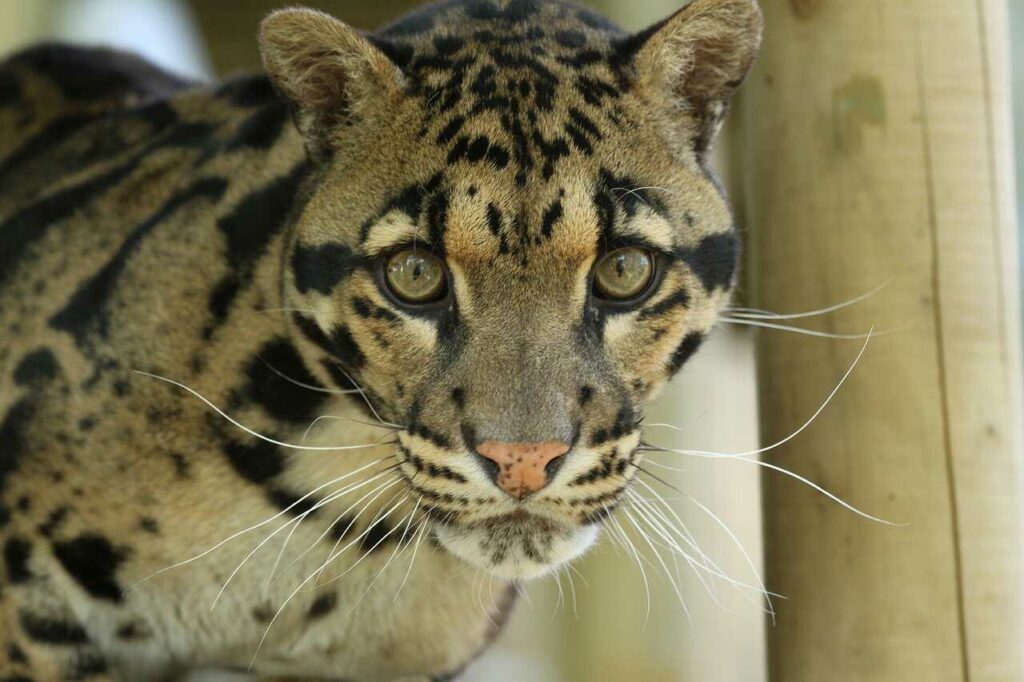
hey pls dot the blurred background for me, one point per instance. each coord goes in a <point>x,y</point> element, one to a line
<point>872,145</point>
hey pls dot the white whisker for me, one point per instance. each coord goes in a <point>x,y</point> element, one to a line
<point>260,524</point>
<point>754,313</point>
<point>243,427</point>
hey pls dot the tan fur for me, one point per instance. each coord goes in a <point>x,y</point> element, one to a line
<point>196,235</point>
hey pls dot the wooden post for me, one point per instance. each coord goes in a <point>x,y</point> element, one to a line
<point>878,146</point>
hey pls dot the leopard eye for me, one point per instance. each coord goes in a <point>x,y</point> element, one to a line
<point>623,274</point>
<point>415,276</point>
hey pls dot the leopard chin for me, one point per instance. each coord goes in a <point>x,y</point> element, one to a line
<point>517,546</point>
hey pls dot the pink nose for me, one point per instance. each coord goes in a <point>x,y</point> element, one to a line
<point>522,467</point>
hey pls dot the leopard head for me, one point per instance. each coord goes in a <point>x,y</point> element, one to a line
<point>513,242</point>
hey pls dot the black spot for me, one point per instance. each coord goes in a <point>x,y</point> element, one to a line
<point>247,231</point>
<point>375,536</point>
<point>323,605</point>
<point>13,442</point>
<point>37,367</point>
<point>341,528</point>
<point>570,39</point>
<point>17,552</point>
<point>449,132</point>
<point>274,378</point>
<point>346,349</point>
<point>10,89</point>
<point>686,349</point>
<point>714,260</point>
<point>50,631</point>
<point>320,268</point>
<point>92,561</point>
<point>257,462</point>
<point>54,521</point>
<point>312,332</point>
<point>15,654</point>
<point>182,469</point>
<point>85,310</point>
<point>262,129</point>
<point>293,504</point>
<point>86,665</point>
<point>247,91</point>
<point>132,632</point>
<point>551,216</point>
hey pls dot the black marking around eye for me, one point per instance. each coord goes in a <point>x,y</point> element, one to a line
<point>322,267</point>
<point>684,351</point>
<point>92,561</point>
<point>367,309</point>
<point>678,299</point>
<point>714,260</point>
<point>409,201</point>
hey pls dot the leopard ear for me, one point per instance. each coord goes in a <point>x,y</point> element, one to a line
<point>694,61</point>
<point>332,74</point>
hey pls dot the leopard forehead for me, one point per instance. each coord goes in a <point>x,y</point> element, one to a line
<point>521,86</point>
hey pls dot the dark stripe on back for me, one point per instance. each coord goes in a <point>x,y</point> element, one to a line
<point>31,223</point>
<point>247,230</point>
<point>86,310</point>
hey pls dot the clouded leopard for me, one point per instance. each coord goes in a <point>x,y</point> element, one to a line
<point>315,347</point>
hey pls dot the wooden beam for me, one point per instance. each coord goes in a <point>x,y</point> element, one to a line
<point>878,146</point>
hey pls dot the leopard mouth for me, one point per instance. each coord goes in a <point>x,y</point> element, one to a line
<point>518,545</point>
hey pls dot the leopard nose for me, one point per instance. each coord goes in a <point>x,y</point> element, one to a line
<point>521,469</point>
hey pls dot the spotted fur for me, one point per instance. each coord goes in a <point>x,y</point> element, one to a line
<point>230,237</point>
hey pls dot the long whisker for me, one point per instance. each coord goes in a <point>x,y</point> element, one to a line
<point>791,436</point>
<point>628,544</point>
<point>797,330</point>
<point>305,434</point>
<point>243,427</point>
<point>415,549</point>
<point>362,394</point>
<point>379,490</point>
<point>311,387</point>
<point>664,566</point>
<point>743,551</point>
<point>296,521</point>
<point>754,313</point>
<point>261,523</point>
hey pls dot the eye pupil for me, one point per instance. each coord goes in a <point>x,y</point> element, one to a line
<point>415,277</point>
<point>623,274</point>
